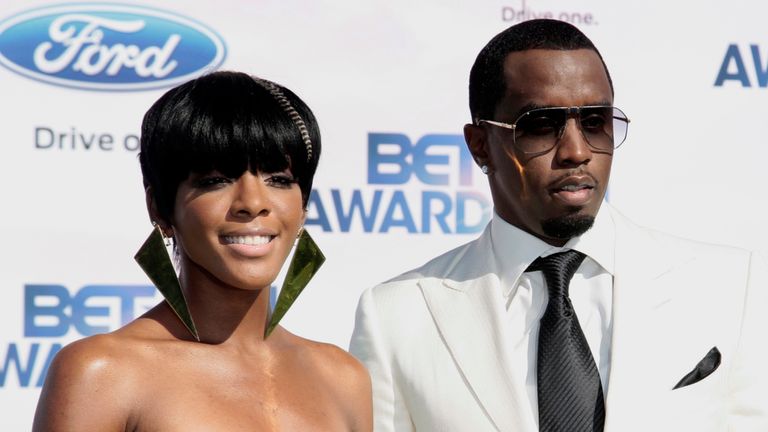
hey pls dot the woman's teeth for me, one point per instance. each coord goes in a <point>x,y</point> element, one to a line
<point>248,240</point>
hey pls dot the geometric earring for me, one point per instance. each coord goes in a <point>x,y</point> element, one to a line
<point>154,260</point>
<point>306,260</point>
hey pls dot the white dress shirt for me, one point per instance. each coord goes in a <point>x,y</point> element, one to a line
<point>525,294</point>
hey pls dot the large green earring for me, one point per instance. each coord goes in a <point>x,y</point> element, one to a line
<point>154,260</point>
<point>306,260</point>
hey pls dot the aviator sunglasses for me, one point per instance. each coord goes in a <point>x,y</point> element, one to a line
<point>537,131</point>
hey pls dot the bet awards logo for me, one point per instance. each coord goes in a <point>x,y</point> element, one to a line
<point>416,186</point>
<point>53,314</point>
<point>108,47</point>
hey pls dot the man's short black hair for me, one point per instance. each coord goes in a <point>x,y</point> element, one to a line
<point>228,122</point>
<point>486,79</point>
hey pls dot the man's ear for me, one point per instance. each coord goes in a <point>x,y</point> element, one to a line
<point>477,142</point>
<point>154,214</point>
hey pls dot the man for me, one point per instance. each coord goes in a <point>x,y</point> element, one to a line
<point>654,333</point>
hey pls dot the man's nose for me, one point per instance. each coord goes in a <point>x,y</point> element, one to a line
<point>572,148</point>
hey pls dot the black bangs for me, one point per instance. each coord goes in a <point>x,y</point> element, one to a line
<point>231,134</point>
<point>226,122</point>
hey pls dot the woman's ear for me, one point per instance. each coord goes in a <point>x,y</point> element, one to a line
<point>303,219</point>
<point>154,213</point>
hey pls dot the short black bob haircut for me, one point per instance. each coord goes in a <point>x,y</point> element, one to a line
<point>486,79</point>
<point>228,122</point>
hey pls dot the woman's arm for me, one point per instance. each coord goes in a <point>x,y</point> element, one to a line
<point>358,382</point>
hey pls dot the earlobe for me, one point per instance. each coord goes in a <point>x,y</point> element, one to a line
<point>477,141</point>
<point>154,214</point>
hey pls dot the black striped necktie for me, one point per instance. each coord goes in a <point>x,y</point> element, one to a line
<point>569,389</point>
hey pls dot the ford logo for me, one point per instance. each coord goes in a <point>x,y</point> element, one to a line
<point>108,47</point>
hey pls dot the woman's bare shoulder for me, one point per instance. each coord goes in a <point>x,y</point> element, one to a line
<point>111,359</point>
<point>88,386</point>
<point>338,361</point>
<point>93,359</point>
<point>344,377</point>
<point>95,383</point>
<point>329,358</point>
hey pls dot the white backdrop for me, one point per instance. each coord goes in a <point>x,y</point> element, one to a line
<point>692,77</point>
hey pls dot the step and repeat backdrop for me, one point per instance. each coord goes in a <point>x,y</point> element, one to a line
<point>396,185</point>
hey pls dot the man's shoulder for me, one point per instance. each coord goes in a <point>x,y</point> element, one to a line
<point>397,310</point>
<point>652,241</point>
<point>445,265</point>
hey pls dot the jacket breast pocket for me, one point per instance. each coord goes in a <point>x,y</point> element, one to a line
<point>699,406</point>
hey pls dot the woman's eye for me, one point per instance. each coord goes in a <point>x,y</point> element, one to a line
<point>211,181</point>
<point>281,180</point>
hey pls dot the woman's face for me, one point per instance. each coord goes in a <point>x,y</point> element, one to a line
<point>238,230</point>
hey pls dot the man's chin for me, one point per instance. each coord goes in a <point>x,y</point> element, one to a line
<point>567,226</point>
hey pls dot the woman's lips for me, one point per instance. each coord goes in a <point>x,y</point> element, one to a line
<point>250,246</point>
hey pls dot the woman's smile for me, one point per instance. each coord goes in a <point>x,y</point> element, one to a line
<point>248,245</point>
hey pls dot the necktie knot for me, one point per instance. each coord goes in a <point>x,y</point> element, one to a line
<point>558,270</point>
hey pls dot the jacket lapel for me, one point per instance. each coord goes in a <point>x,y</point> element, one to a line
<point>644,288</point>
<point>468,312</point>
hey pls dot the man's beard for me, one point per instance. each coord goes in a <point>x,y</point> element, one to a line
<point>567,226</point>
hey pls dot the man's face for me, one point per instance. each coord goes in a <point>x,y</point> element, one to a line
<point>554,195</point>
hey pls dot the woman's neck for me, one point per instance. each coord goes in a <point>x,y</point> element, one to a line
<point>224,314</point>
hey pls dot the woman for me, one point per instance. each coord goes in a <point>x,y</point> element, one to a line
<point>228,162</point>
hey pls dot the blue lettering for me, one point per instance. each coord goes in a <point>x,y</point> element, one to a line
<point>127,294</point>
<point>24,371</point>
<point>426,210</point>
<point>32,310</point>
<point>415,159</point>
<point>80,310</point>
<point>760,70</point>
<point>322,216</point>
<point>462,212</point>
<point>462,198</point>
<point>732,55</point>
<point>345,220</point>
<point>421,159</point>
<point>376,159</point>
<point>398,203</point>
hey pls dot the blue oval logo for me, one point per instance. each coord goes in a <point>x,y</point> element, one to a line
<point>108,47</point>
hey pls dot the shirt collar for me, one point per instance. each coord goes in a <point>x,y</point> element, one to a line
<point>514,249</point>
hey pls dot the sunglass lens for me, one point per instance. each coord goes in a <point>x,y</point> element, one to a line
<point>538,130</point>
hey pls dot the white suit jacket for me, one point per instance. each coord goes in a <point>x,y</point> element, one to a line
<point>434,341</point>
